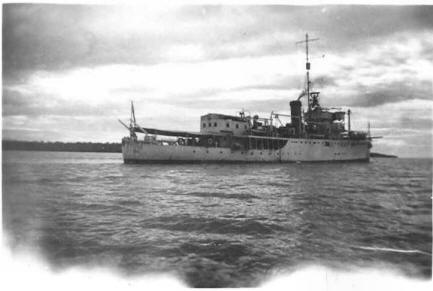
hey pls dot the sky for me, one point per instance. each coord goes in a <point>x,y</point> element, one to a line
<point>70,71</point>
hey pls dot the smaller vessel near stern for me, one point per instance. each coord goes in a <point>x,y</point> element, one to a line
<point>316,134</point>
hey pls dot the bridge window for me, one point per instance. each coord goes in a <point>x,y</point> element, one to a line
<point>204,124</point>
<point>227,124</point>
<point>210,124</point>
<point>215,124</point>
<point>237,125</point>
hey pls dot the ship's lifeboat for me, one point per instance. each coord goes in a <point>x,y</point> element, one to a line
<point>181,141</point>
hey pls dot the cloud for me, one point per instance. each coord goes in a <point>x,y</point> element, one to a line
<point>392,92</point>
<point>17,104</point>
<point>55,37</point>
<point>66,67</point>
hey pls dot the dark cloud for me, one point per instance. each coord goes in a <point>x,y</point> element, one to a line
<point>39,37</point>
<point>54,37</point>
<point>341,27</point>
<point>371,96</point>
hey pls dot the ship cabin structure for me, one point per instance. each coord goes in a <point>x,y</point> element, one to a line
<point>245,132</point>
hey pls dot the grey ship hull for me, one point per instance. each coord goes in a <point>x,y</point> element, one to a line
<point>295,150</point>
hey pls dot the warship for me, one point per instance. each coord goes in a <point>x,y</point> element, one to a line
<point>314,135</point>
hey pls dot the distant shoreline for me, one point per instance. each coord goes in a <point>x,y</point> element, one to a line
<point>62,146</point>
<point>88,147</point>
<point>377,155</point>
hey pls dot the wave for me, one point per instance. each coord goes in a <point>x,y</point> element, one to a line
<point>241,196</point>
<point>211,225</point>
<point>392,250</point>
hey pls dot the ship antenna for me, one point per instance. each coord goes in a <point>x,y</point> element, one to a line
<point>307,65</point>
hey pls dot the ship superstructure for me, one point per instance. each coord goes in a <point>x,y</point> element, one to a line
<point>316,134</point>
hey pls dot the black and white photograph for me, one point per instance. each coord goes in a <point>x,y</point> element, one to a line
<point>217,145</point>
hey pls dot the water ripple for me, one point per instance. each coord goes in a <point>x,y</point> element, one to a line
<point>218,225</point>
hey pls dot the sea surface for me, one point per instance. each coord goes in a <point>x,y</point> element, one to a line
<point>218,225</point>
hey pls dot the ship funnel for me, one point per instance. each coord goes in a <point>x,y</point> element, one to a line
<point>295,112</point>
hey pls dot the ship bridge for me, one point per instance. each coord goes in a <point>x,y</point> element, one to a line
<point>214,123</point>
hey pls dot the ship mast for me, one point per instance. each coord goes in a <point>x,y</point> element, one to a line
<point>132,118</point>
<point>307,66</point>
<point>132,122</point>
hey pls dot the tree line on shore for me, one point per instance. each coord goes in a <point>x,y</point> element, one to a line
<point>61,146</point>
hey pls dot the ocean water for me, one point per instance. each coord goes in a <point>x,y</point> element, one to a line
<point>218,225</point>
